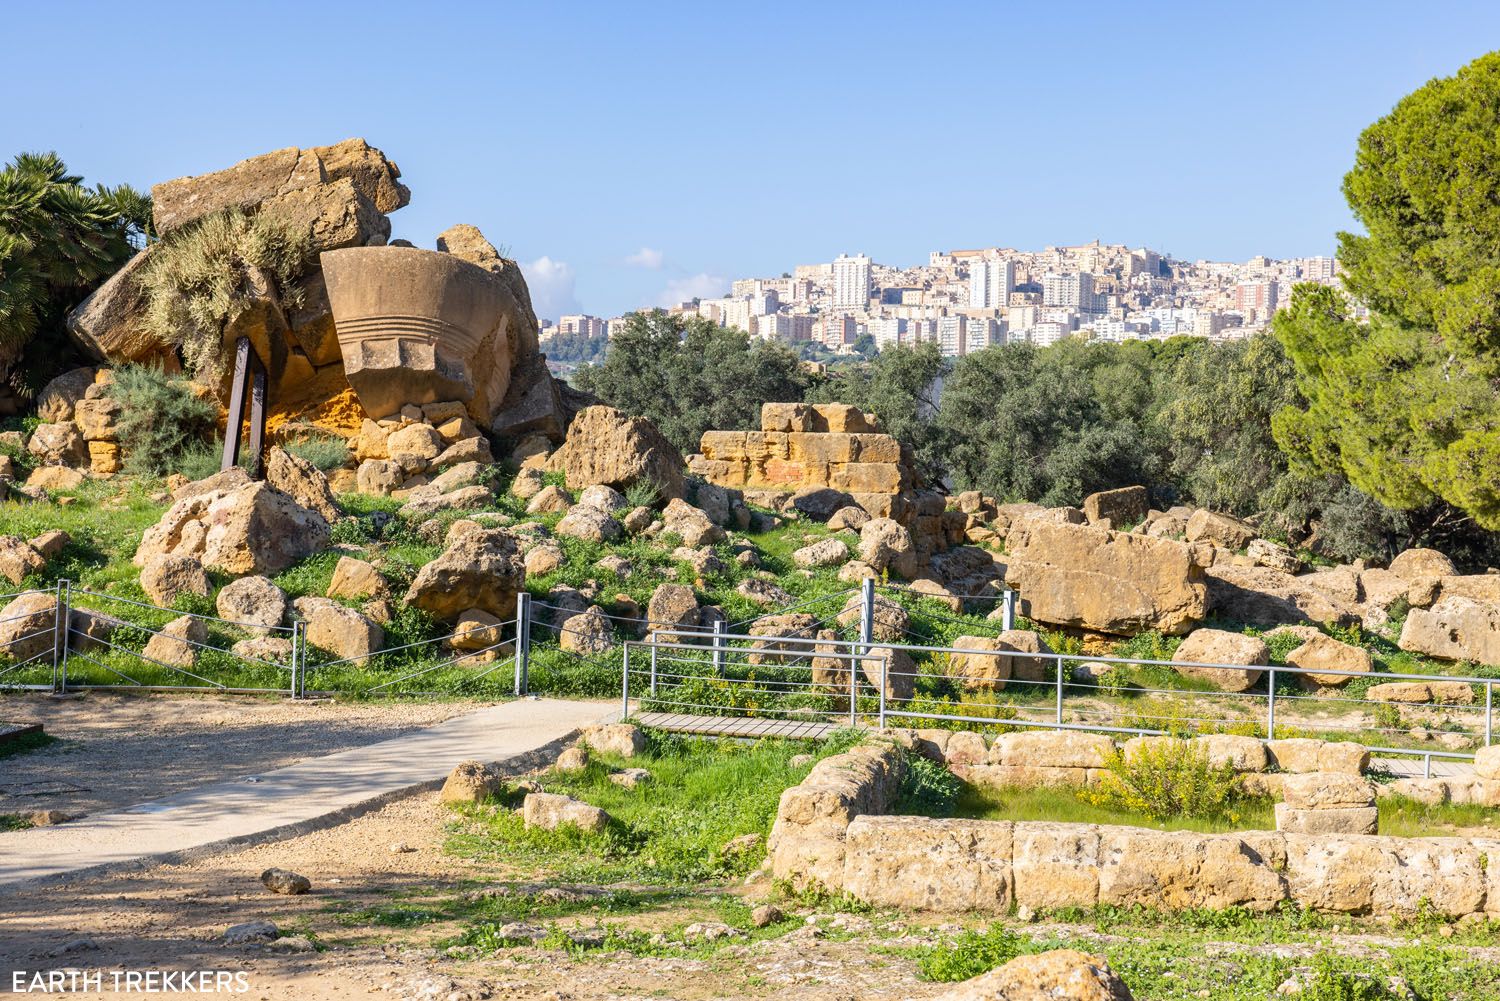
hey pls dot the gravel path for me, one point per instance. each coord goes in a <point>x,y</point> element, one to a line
<point>116,750</point>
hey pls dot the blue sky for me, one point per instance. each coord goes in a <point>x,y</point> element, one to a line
<point>628,154</point>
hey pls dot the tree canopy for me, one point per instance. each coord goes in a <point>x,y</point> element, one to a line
<point>1406,405</point>
<point>689,375</point>
<point>58,241</point>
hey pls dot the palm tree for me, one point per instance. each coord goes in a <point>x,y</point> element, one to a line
<point>58,241</point>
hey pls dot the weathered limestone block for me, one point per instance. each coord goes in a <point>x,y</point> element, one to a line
<point>1456,628</point>
<point>1261,596</point>
<point>264,178</point>
<point>1333,820</point>
<point>1052,749</point>
<point>58,444</point>
<point>1180,870</point>
<point>343,632</point>
<point>176,644</point>
<point>479,569</point>
<point>55,403</point>
<point>1056,865</point>
<point>164,578</point>
<point>1112,582</point>
<point>19,559</point>
<point>917,863</point>
<point>28,625</point>
<point>1335,662</point>
<point>807,842</point>
<point>623,739</point>
<point>690,524</point>
<point>672,606</point>
<point>606,446</point>
<point>1220,529</point>
<point>253,603</point>
<point>1056,974</point>
<point>1422,692</point>
<point>549,812</point>
<point>109,324</point>
<point>996,776</point>
<point>1122,507</point>
<point>1301,754</point>
<point>1218,646</point>
<point>1243,754</point>
<point>236,527</point>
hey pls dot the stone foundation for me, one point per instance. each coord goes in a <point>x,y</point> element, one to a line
<point>830,447</point>
<point>829,831</point>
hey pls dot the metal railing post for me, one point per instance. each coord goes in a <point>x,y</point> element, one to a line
<point>885,665</point>
<point>1271,704</point>
<point>653,668</point>
<point>1489,718</point>
<point>1059,689</point>
<point>61,614</point>
<point>718,655</point>
<point>1008,609</point>
<point>854,665</point>
<point>295,688</point>
<point>866,614</point>
<point>625,685</point>
<point>523,642</point>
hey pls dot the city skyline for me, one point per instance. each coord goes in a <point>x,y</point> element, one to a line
<point>969,299</point>
<point>629,161</point>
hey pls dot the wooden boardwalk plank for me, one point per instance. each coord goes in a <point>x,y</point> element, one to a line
<point>736,726</point>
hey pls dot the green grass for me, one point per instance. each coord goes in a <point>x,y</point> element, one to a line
<point>25,744</point>
<point>1400,816</point>
<point>14,822</point>
<point>669,831</point>
<point>1063,805</point>
<point>1221,955</point>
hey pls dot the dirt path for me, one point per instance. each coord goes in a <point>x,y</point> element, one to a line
<point>174,917</point>
<point>116,750</point>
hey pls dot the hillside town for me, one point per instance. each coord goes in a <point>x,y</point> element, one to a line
<point>968,300</point>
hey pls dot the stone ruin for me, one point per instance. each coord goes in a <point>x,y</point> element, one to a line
<point>370,326</point>
<point>819,458</point>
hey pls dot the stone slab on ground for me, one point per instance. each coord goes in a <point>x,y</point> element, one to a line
<point>291,800</point>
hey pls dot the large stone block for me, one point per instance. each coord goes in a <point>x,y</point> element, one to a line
<point>250,183</point>
<point>1055,865</point>
<point>918,863</point>
<point>1182,870</point>
<point>1456,628</point>
<point>1112,582</point>
<point>605,446</point>
<point>420,326</point>
<point>1261,596</point>
<point>1219,646</point>
<point>1121,508</point>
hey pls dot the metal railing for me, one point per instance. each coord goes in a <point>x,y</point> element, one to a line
<point>87,639</point>
<point>1005,687</point>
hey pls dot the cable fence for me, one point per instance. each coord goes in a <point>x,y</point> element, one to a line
<point>999,684</point>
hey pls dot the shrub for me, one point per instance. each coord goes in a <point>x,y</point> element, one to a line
<point>971,953</point>
<point>642,493</point>
<point>927,789</point>
<point>162,419</point>
<point>1162,779</point>
<point>198,277</point>
<point>324,451</point>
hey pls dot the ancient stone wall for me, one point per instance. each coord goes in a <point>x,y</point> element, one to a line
<point>832,449</point>
<point>829,831</point>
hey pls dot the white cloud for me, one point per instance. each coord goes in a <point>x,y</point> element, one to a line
<point>704,286</point>
<point>552,287</point>
<point>645,258</point>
